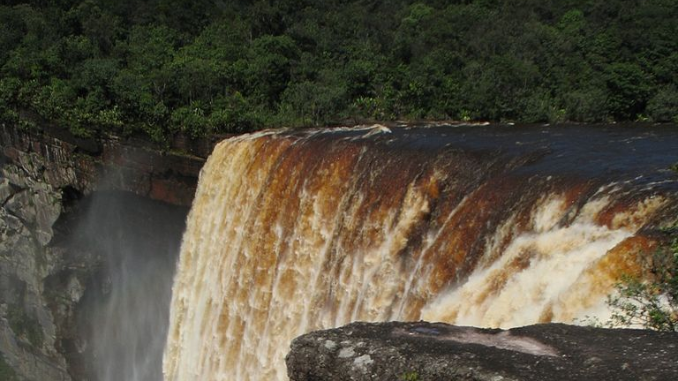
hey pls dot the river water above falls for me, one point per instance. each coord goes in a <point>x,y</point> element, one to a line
<point>490,226</point>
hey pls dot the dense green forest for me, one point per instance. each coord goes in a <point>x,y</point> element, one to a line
<point>158,67</point>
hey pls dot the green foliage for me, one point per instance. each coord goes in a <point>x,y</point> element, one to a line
<point>160,67</point>
<point>651,303</point>
<point>313,103</point>
<point>11,31</point>
<point>586,105</point>
<point>540,106</point>
<point>269,67</point>
<point>9,91</point>
<point>233,114</point>
<point>629,88</point>
<point>190,120</point>
<point>663,106</point>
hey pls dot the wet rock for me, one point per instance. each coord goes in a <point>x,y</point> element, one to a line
<point>30,207</point>
<point>435,351</point>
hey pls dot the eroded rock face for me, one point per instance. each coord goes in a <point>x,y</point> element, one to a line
<point>43,278</point>
<point>30,206</point>
<point>435,351</point>
<point>167,175</point>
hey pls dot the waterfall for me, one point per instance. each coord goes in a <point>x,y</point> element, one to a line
<point>296,231</point>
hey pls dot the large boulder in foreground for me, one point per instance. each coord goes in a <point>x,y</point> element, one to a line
<point>435,351</point>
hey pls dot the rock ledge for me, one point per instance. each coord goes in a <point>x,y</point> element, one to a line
<point>436,351</point>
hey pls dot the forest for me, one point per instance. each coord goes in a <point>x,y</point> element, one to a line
<point>161,67</point>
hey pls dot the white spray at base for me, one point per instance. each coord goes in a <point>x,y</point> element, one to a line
<point>286,237</point>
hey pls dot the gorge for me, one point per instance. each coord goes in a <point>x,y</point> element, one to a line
<point>291,231</point>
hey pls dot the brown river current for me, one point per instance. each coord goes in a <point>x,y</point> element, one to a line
<point>494,226</point>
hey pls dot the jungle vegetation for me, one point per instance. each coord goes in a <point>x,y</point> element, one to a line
<point>160,67</point>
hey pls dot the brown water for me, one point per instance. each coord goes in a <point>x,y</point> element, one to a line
<point>491,226</point>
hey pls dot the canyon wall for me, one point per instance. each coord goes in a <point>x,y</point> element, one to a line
<point>50,273</point>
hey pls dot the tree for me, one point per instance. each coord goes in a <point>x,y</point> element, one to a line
<point>270,63</point>
<point>99,26</point>
<point>11,31</point>
<point>153,65</point>
<point>629,89</point>
<point>663,106</point>
<point>314,103</point>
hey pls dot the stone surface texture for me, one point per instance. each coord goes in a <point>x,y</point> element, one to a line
<point>42,176</point>
<point>30,205</point>
<point>168,174</point>
<point>436,351</point>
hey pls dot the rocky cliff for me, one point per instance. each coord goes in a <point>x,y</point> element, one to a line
<point>167,174</point>
<point>31,204</point>
<point>435,351</point>
<point>43,278</point>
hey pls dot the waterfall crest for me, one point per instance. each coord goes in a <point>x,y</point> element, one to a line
<point>295,231</point>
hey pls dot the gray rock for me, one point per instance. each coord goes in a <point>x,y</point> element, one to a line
<point>38,207</point>
<point>6,190</point>
<point>105,164</point>
<point>29,365</point>
<point>30,207</point>
<point>32,164</point>
<point>74,289</point>
<point>436,351</point>
<point>14,176</point>
<point>22,205</point>
<point>10,229</point>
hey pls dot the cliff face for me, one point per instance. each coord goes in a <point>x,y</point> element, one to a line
<point>30,207</point>
<point>44,278</point>
<point>436,351</point>
<point>168,175</point>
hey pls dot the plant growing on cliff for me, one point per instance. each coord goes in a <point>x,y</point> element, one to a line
<point>651,303</point>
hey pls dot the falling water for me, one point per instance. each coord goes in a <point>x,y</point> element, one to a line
<point>295,231</point>
<point>125,312</point>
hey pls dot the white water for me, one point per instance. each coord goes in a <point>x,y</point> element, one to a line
<point>274,249</point>
<point>533,273</point>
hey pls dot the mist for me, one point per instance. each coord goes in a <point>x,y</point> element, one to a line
<point>123,316</point>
